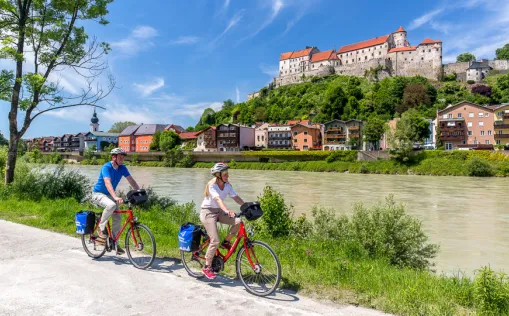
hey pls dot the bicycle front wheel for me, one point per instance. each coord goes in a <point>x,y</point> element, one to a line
<point>258,268</point>
<point>140,246</point>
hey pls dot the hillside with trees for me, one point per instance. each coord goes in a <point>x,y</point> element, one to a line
<point>348,97</point>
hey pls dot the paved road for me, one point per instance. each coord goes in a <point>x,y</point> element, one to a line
<point>45,273</point>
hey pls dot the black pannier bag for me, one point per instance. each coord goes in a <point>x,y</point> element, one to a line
<point>251,210</point>
<point>136,197</point>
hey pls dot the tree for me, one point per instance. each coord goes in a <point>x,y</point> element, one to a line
<point>190,129</point>
<point>155,143</point>
<point>465,57</point>
<point>3,140</point>
<point>414,96</point>
<point>411,128</point>
<point>503,52</point>
<point>335,101</point>
<point>118,127</point>
<point>41,37</point>
<point>169,140</point>
<point>351,109</point>
<point>374,129</point>
<point>260,115</point>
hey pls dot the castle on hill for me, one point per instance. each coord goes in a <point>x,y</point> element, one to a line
<point>383,56</point>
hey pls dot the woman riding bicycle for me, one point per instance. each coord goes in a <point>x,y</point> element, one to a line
<point>214,210</point>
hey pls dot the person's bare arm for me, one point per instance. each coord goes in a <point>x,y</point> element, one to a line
<point>238,200</point>
<point>223,206</point>
<point>133,183</point>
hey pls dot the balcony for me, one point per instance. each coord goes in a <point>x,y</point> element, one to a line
<point>506,115</point>
<point>328,135</point>
<point>354,128</point>
<point>334,129</point>
<point>334,142</point>
<point>501,126</point>
<point>499,136</point>
<point>280,137</point>
<point>453,137</point>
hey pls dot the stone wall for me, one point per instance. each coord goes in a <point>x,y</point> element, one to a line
<point>456,68</point>
<point>499,64</point>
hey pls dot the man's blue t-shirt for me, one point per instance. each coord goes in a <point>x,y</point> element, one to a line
<point>107,171</point>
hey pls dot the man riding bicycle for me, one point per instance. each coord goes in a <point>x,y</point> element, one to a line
<point>104,195</point>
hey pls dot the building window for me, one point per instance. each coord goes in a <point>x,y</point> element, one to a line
<point>469,133</point>
<point>486,114</point>
<point>489,132</point>
<point>449,115</point>
<point>305,140</point>
<point>305,133</point>
<point>448,146</point>
<point>498,141</point>
<point>460,115</point>
<point>487,142</point>
<point>444,116</point>
<point>471,114</point>
<point>469,124</point>
<point>295,140</point>
<point>482,133</point>
<point>294,133</point>
<point>481,114</point>
<point>481,123</point>
<point>463,142</point>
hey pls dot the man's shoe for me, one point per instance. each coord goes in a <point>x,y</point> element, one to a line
<point>101,237</point>
<point>208,273</point>
<point>226,245</point>
<point>120,251</point>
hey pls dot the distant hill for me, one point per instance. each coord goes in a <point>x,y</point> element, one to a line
<point>349,97</point>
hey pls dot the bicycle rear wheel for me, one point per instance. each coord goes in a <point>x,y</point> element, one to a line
<point>140,246</point>
<point>258,268</point>
<point>194,261</point>
<point>93,248</point>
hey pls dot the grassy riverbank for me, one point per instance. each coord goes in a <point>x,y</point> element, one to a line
<point>435,163</point>
<point>379,257</point>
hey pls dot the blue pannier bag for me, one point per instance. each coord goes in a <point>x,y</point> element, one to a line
<point>189,237</point>
<point>85,222</point>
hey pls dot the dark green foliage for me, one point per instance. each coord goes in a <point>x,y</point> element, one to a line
<point>277,216</point>
<point>479,168</point>
<point>118,127</point>
<point>155,143</point>
<point>465,57</point>
<point>502,52</point>
<point>169,140</point>
<point>3,140</point>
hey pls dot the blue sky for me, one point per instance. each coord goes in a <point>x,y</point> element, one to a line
<point>172,59</point>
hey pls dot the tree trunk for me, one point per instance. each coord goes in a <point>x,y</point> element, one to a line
<point>11,159</point>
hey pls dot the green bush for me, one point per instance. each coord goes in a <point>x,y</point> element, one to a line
<point>491,292</point>
<point>277,216</point>
<point>470,81</point>
<point>3,160</point>
<point>51,183</point>
<point>342,155</point>
<point>479,168</point>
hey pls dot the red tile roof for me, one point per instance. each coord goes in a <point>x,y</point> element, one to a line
<point>203,130</point>
<point>302,53</point>
<point>429,41</point>
<point>285,56</point>
<point>403,49</point>
<point>401,29</point>
<point>364,44</point>
<point>188,135</point>
<point>322,56</point>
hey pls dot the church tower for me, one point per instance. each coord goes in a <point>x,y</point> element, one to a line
<point>94,125</point>
<point>400,39</point>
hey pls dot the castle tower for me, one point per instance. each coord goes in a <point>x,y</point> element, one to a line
<point>400,39</point>
<point>94,125</point>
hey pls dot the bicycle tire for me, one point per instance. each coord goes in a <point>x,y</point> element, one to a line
<point>88,240</point>
<point>134,250</point>
<point>257,273</point>
<point>192,264</point>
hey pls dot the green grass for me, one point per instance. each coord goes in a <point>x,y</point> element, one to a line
<point>322,269</point>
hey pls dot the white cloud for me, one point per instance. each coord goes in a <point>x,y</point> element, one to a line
<point>185,40</point>
<point>233,21</point>
<point>272,71</point>
<point>238,94</point>
<point>196,110</point>
<point>147,89</point>
<point>144,32</point>
<point>276,6</point>
<point>418,22</point>
<point>138,40</point>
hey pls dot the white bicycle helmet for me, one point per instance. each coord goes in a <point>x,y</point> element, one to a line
<point>118,151</point>
<point>219,167</point>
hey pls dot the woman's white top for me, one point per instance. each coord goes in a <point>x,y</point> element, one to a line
<point>215,191</point>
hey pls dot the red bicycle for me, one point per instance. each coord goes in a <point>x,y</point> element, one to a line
<point>140,244</point>
<point>257,265</point>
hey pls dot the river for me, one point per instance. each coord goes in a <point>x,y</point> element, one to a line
<point>468,217</point>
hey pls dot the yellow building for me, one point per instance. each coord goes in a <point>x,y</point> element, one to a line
<point>502,125</point>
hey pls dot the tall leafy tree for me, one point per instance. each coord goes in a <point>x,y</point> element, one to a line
<point>155,143</point>
<point>40,37</point>
<point>411,128</point>
<point>3,141</point>
<point>169,140</point>
<point>502,52</point>
<point>335,101</point>
<point>374,129</point>
<point>465,57</point>
<point>414,95</point>
<point>118,127</point>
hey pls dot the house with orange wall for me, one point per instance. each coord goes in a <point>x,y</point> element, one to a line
<point>306,137</point>
<point>127,140</point>
<point>143,136</point>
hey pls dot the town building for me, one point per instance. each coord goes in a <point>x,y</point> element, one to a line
<point>206,140</point>
<point>143,135</point>
<point>127,139</point>
<point>306,136</point>
<point>280,137</point>
<point>176,128</point>
<point>478,70</point>
<point>188,137</point>
<point>466,125</point>
<point>262,135</point>
<point>100,140</point>
<point>501,125</point>
<point>234,137</point>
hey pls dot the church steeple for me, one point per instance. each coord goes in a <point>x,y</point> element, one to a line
<point>94,125</point>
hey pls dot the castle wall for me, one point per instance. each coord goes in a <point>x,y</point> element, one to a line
<point>499,64</point>
<point>364,55</point>
<point>360,68</point>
